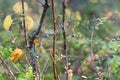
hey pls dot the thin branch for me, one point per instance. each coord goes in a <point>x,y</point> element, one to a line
<point>63,28</point>
<point>23,13</point>
<point>12,74</point>
<point>40,2</point>
<point>54,43</point>
<point>24,27</point>
<point>92,30</point>
<point>38,69</point>
<point>91,41</point>
<point>46,6</point>
<point>45,66</point>
<point>51,55</point>
<point>64,36</point>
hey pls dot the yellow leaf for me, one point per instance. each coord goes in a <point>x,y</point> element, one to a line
<point>17,8</point>
<point>7,22</point>
<point>78,16</point>
<point>103,52</point>
<point>16,55</point>
<point>28,22</point>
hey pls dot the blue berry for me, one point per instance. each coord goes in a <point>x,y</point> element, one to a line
<point>99,63</point>
<point>20,22</point>
<point>46,35</point>
<point>73,35</point>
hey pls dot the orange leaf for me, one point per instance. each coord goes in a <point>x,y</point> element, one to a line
<point>108,15</point>
<point>16,55</point>
<point>36,41</point>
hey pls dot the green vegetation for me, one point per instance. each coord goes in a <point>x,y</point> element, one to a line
<point>84,46</point>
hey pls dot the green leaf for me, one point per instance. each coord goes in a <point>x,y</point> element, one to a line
<point>21,79</point>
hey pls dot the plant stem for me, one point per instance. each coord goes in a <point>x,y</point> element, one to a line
<point>63,28</point>
<point>12,74</point>
<point>24,28</point>
<point>23,13</point>
<point>91,41</point>
<point>46,6</point>
<point>54,42</point>
<point>92,66</point>
<point>64,36</point>
<point>37,69</point>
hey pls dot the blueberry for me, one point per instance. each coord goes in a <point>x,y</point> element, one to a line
<point>46,35</point>
<point>99,63</point>
<point>20,22</point>
<point>73,35</point>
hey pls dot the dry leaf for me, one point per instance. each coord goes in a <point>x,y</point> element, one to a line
<point>7,22</point>
<point>17,8</point>
<point>16,55</point>
<point>108,14</point>
<point>69,73</point>
<point>28,22</point>
<point>36,41</point>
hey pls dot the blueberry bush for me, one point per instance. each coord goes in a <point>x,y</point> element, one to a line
<point>59,40</point>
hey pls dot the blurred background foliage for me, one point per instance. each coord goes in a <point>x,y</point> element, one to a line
<point>82,16</point>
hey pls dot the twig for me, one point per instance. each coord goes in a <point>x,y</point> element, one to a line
<point>40,2</point>
<point>91,41</point>
<point>38,69</point>
<point>92,29</point>
<point>46,6</point>
<point>12,74</point>
<point>45,66</point>
<point>51,55</point>
<point>23,13</point>
<point>54,43</point>
<point>24,27</point>
<point>64,36</point>
<point>63,29</point>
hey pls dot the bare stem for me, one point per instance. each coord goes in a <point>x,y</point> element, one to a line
<point>12,74</point>
<point>46,6</point>
<point>38,69</point>
<point>64,36</point>
<point>91,41</point>
<point>40,2</point>
<point>23,13</point>
<point>24,28</point>
<point>54,43</point>
<point>92,66</point>
<point>63,29</point>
